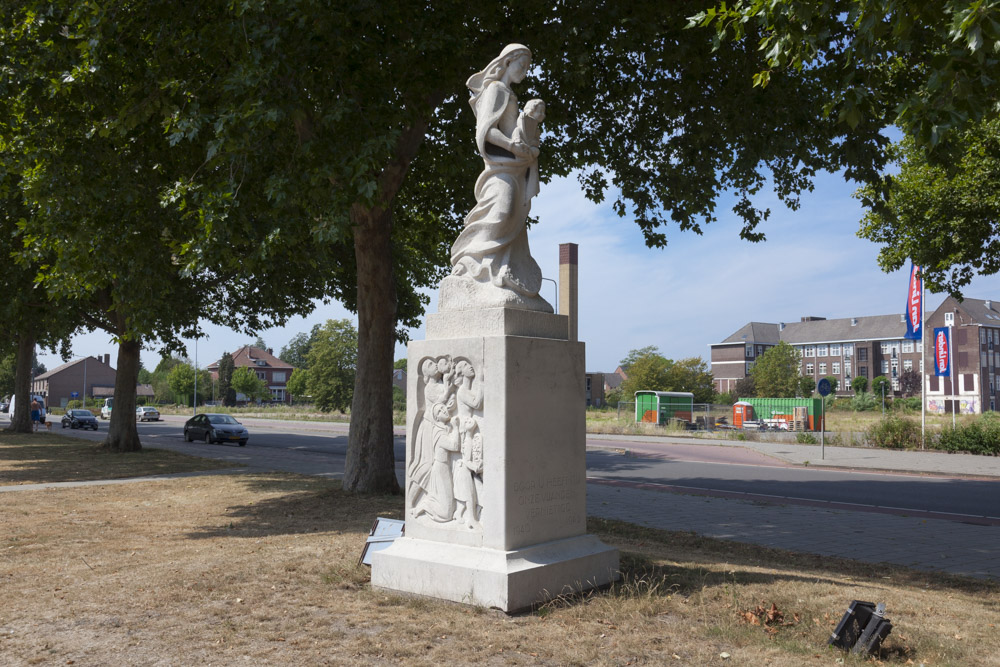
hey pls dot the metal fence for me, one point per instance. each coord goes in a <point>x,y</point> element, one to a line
<point>704,416</point>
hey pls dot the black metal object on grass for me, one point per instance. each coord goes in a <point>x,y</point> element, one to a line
<point>862,628</point>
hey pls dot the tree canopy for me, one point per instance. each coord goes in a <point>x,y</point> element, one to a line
<point>776,373</point>
<point>945,217</point>
<point>332,364</point>
<point>929,68</point>
<point>648,369</point>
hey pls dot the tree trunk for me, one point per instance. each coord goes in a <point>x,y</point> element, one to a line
<point>122,433</point>
<point>21,419</point>
<point>370,466</point>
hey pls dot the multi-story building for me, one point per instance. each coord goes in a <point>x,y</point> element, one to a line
<point>974,385</point>
<point>840,348</point>
<point>873,346</point>
<point>273,371</point>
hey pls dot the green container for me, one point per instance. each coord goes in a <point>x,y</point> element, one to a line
<point>770,408</point>
<point>659,407</point>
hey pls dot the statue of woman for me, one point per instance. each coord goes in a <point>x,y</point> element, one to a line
<point>491,263</point>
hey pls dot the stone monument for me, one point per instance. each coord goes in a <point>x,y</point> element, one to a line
<point>496,438</point>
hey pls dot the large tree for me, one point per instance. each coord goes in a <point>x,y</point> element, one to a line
<point>86,93</point>
<point>776,373</point>
<point>29,313</point>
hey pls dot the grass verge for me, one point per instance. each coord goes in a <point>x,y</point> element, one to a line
<point>262,569</point>
<point>35,458</point>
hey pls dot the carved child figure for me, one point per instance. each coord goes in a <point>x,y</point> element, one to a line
<point>527,130</point>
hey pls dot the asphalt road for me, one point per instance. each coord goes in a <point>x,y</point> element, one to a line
<point>702,469</point>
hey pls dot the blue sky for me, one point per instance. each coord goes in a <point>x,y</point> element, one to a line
<point>696,291</point>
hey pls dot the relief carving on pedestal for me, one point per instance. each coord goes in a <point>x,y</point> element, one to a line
<point>444,458</point>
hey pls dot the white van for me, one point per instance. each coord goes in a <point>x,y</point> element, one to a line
<point>106,408</point>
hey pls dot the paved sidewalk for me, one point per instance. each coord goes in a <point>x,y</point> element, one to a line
<point>860,458</point>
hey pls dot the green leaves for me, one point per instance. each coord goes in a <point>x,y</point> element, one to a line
<point>776,372</point>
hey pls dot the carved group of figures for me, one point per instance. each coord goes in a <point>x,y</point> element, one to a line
<point>445,457</point>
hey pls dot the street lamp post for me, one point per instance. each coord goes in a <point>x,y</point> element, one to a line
<point>194,400</point>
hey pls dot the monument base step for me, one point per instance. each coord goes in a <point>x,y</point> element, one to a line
<point>507,580</point>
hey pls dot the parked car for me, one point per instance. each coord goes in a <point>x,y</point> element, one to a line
<point>106,408</point>
<point>215,428</point>
<point>79,419</point>
<point>143,413</point>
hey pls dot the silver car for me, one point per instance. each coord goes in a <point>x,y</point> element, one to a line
<point>145,413</point>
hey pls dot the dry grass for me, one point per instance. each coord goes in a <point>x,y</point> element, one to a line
<point>35,458</point>
<point>261,569</point>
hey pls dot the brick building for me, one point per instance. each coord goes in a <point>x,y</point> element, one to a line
<point>975,341</point>
<point>873,346</point>
<point>273,371</point>
<point>87,377</point>
<point>841,348</point>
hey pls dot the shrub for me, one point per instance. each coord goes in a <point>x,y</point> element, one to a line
<point>980,437</point>
<point>805,438</point>
<point>894,433</point>
<point>74,405</point>
<point>906,405</point>
<point>863,401</point>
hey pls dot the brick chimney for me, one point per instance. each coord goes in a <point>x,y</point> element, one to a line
<point>569,286</point>
<point>107,359</point>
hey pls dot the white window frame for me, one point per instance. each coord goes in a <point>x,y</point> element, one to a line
<point>822,351</point>
<point>810,351</point>
<point>749,353</point>
<point>848,349</point>
<point>907,364</point>
<point>949,318</point>
<point>822,368</point>
<point>907,346</point>
<point>835,368</point>
<point>809,369</point>
<point>835,350</point>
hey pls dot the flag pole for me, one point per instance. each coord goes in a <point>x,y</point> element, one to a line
<point>923,369</point>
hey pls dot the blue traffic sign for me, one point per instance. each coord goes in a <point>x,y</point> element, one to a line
<point>823,387</point>
<point>74,394</point>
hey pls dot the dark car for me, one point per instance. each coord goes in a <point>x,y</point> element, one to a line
<point>79,419</point>
<point>215,428</point>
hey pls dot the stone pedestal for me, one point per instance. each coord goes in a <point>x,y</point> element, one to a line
<point>496,469</point>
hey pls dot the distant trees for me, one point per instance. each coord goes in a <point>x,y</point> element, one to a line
<point>333,359</point>
<point>776,372</point>
<point>881,384</point>
<point>226,368</point>
<point>648,369</point>
<point>298,383</point>
<point>246,382</point>
<point>834,383</point>
<point>744,388</point>
<point>807,385</point>
<point>859,384</point>
<point>296,353</point>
